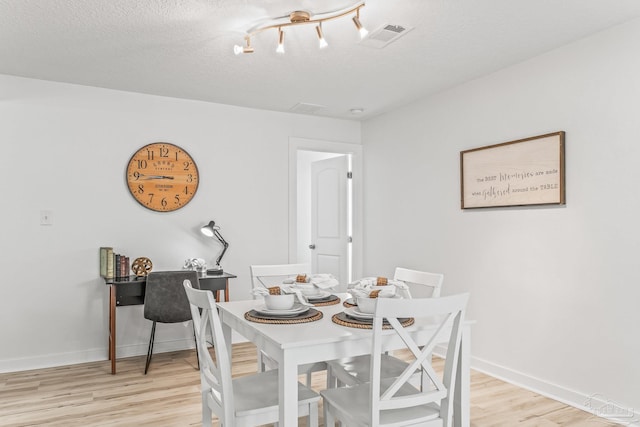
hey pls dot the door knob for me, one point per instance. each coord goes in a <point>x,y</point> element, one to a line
<point>312,246</point>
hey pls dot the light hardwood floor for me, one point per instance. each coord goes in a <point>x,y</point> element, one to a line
<point>169,395</point>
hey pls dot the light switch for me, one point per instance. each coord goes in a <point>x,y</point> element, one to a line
<point>46,218</point>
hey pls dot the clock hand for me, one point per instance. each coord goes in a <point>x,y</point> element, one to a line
<point>142,176</point>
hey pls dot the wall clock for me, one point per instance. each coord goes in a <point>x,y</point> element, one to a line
<point>162,177</point>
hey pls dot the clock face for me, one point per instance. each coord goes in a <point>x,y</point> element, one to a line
<point>162,177</point>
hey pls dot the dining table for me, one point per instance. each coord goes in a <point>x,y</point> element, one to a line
<point>321,340</point>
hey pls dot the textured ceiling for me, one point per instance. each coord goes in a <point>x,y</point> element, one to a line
<point>184,48</point>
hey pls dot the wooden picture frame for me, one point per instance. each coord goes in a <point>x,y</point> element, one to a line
<point>525,172</point>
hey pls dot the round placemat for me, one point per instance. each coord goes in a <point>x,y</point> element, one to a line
<point>349,304</point>
<point>333,300</point>
<point>308,316</point>
<point>344,320</point>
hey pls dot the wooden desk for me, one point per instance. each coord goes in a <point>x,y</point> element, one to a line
<point>130,291</point>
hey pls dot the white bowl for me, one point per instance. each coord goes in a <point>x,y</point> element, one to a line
<point>308,290</point>
<point>279,302</point>
<point>366,305</point>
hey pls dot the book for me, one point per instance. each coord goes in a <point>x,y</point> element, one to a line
<point>110,266</point>
<point>103,260</point>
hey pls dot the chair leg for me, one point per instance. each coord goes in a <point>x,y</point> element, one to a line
<point>197,354</point>
<point>312,419</point>
<point>150,350</point>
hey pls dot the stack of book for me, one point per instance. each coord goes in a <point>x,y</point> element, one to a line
<point>113,265</point>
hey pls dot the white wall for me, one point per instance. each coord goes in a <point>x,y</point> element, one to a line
<point>65,149</point>
<point>555,291</point>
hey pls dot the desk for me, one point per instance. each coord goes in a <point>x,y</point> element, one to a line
<point>293,345</point>
<point>130,291</point>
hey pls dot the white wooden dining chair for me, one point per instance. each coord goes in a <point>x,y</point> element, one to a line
<point>273,275</point>
<point>395,401</point>
<point>249,400</point>
<point>355,370</point>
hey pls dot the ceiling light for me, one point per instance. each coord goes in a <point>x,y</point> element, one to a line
<point>323,43</point>
<point>280,48</point>
<point>301,17</point>
<point>237,49</point>
<point>362,30</point>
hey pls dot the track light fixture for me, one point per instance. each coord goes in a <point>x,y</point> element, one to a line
<point>300,17</point>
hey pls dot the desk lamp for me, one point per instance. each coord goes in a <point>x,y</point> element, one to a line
<point>211,230</point>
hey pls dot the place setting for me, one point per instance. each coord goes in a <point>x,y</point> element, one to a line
<point>316,289</point>
<point>282,308</point>
<point>360,306</point>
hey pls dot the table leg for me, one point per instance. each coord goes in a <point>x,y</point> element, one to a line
<point>462,398</point>
<point>288,390</point>
<point>112,328</point>
<point>226,333</point>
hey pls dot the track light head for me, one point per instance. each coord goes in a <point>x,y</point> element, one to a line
<point>322,41</point>
<point>362,30</point>
<point>280,48</point>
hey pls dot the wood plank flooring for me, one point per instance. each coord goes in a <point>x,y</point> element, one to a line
<point>169,395</point>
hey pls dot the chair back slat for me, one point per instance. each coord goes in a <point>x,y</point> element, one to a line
<point>433,281</point>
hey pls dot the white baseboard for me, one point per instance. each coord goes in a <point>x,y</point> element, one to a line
<point>97,355</point>
<point>598,405</point>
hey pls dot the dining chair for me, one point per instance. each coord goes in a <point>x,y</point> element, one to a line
<point>272,275</point>
<point>395,401</point>
<point>355,370</point>
<point>166,302</point>
<point>249,400</point>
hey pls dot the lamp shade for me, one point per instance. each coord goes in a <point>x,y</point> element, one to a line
<point>207,230</point>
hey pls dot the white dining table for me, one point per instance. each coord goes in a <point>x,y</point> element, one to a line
<point>292,345</point>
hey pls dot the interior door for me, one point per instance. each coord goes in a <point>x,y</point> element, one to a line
<point>329,217</point>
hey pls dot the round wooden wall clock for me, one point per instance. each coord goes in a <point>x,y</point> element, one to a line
<point>162,177</point>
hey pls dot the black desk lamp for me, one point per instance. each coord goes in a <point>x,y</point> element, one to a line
<point>211,230</point>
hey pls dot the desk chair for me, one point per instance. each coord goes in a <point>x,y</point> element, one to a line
<point>355,370</point>
<point>249,400</point>
<point>272,275</point>
<point>166,302</point>
<point>394,401</point>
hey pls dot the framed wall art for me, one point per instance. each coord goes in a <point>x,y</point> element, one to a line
<point>518,173</point>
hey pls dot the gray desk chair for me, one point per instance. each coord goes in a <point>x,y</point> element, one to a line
<point>165,301</point>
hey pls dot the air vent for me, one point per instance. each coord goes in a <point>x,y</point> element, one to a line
<point>304,108</point>
<point>384,35</point>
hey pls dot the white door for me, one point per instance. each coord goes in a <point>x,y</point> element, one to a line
<point>329,218</point>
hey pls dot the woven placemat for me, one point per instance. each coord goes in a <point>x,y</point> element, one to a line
<point>344,320</point>
<point>349,303</point>
<point>332,300</point>
<point>308,316</point>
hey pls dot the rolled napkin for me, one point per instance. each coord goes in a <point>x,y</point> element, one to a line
<point>324,281</point>
<point>292,290</point>
<point>278,290</point>
<point>320,281</point>
<point>391,288</point>
<point>387,292</point>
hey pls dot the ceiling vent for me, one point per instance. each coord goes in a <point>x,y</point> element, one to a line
<point>304,108</point>
<point>384,35</point>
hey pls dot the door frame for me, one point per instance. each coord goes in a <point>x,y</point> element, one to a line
<point>355,150</point>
